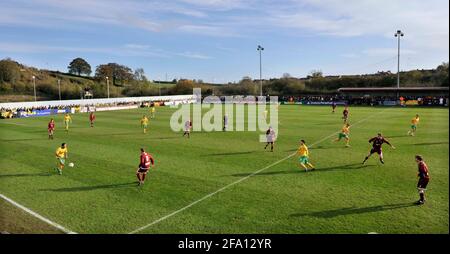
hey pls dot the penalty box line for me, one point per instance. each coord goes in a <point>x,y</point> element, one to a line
<point>242,179</point>
<point>40,217</point>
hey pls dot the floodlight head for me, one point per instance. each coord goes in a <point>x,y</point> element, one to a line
<point>399,33</point>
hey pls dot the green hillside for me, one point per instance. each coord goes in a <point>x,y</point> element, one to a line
<point>19,86</point>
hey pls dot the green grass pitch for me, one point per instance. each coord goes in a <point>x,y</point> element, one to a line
<point>100,194</point>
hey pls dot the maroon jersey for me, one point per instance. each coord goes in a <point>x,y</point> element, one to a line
<point>51,125</point>
<point>91,117</point>
<point>377,142</point>
<point>145,160</point>
<point>345,112</point>
<point>423,170</point>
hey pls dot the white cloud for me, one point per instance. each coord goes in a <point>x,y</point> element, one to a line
<point>137,46</point>
<point>425,23</point>
<point>208,30</point>
<point>221,5</point>
<point>126,50</point>
<point>194,55</point>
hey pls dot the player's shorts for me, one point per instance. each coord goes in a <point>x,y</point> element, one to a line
<point>342,135</point>
<point>145,126</point>
<point>61,161</point>
<point>423,182</point>
<point>376,150</point>
<point>142,170</point>
<point>413,126</point>
<point>303,159</point>
<point>50,130</point>
<point>66,124</point>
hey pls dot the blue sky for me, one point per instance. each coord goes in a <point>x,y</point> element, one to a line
<point>216,40</point>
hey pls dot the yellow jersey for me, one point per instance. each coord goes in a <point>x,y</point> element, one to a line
<point>346,130</point>
<point>61,152</point>
<point>153,110</point>
<point>303,151</point>
<point>415,121</point>
<point>144,120</point>
<point>67,118</point>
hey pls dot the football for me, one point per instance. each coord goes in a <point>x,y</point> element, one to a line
<point>71,165</point>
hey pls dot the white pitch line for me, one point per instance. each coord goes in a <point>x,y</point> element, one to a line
<point>56,225</point>
<point>240,180</point>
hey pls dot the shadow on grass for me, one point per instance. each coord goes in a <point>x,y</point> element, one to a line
<point>162,138</point>
<point>95,187</point>
<point>431,143</point>
<point>398,136</point>
<point>317,148</point>
<point>354,210</point>
<point>300,171</point>
<point>24,174</point>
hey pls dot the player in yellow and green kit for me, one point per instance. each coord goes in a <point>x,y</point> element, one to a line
<point>61,156</point>
<point>67,120</point>
<point>345,132</point>
<point>144,123</point>
<point>303,158</point>
<point>152,111</point>
<point>414,123</point>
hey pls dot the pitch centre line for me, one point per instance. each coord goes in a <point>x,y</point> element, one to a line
<point>240,180</point>
<point>42,218</point>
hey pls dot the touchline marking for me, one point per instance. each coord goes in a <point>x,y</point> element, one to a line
<point>56,225</point>
<point>242,179</point>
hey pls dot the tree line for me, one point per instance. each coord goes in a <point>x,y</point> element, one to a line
<point>15,79</point>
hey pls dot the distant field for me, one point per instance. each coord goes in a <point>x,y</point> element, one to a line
<point>99,195</point>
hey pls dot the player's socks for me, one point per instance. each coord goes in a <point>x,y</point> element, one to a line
<point>139,179</point>
<point>365,160</point>
<point>382,161</point>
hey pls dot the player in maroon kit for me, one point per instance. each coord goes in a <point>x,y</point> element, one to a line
<point>146,160</point>
<point>92,118</point>
<point>51,128</point>
<point>345,114</point>
<point>377,142</point>
<point>424,178</point>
